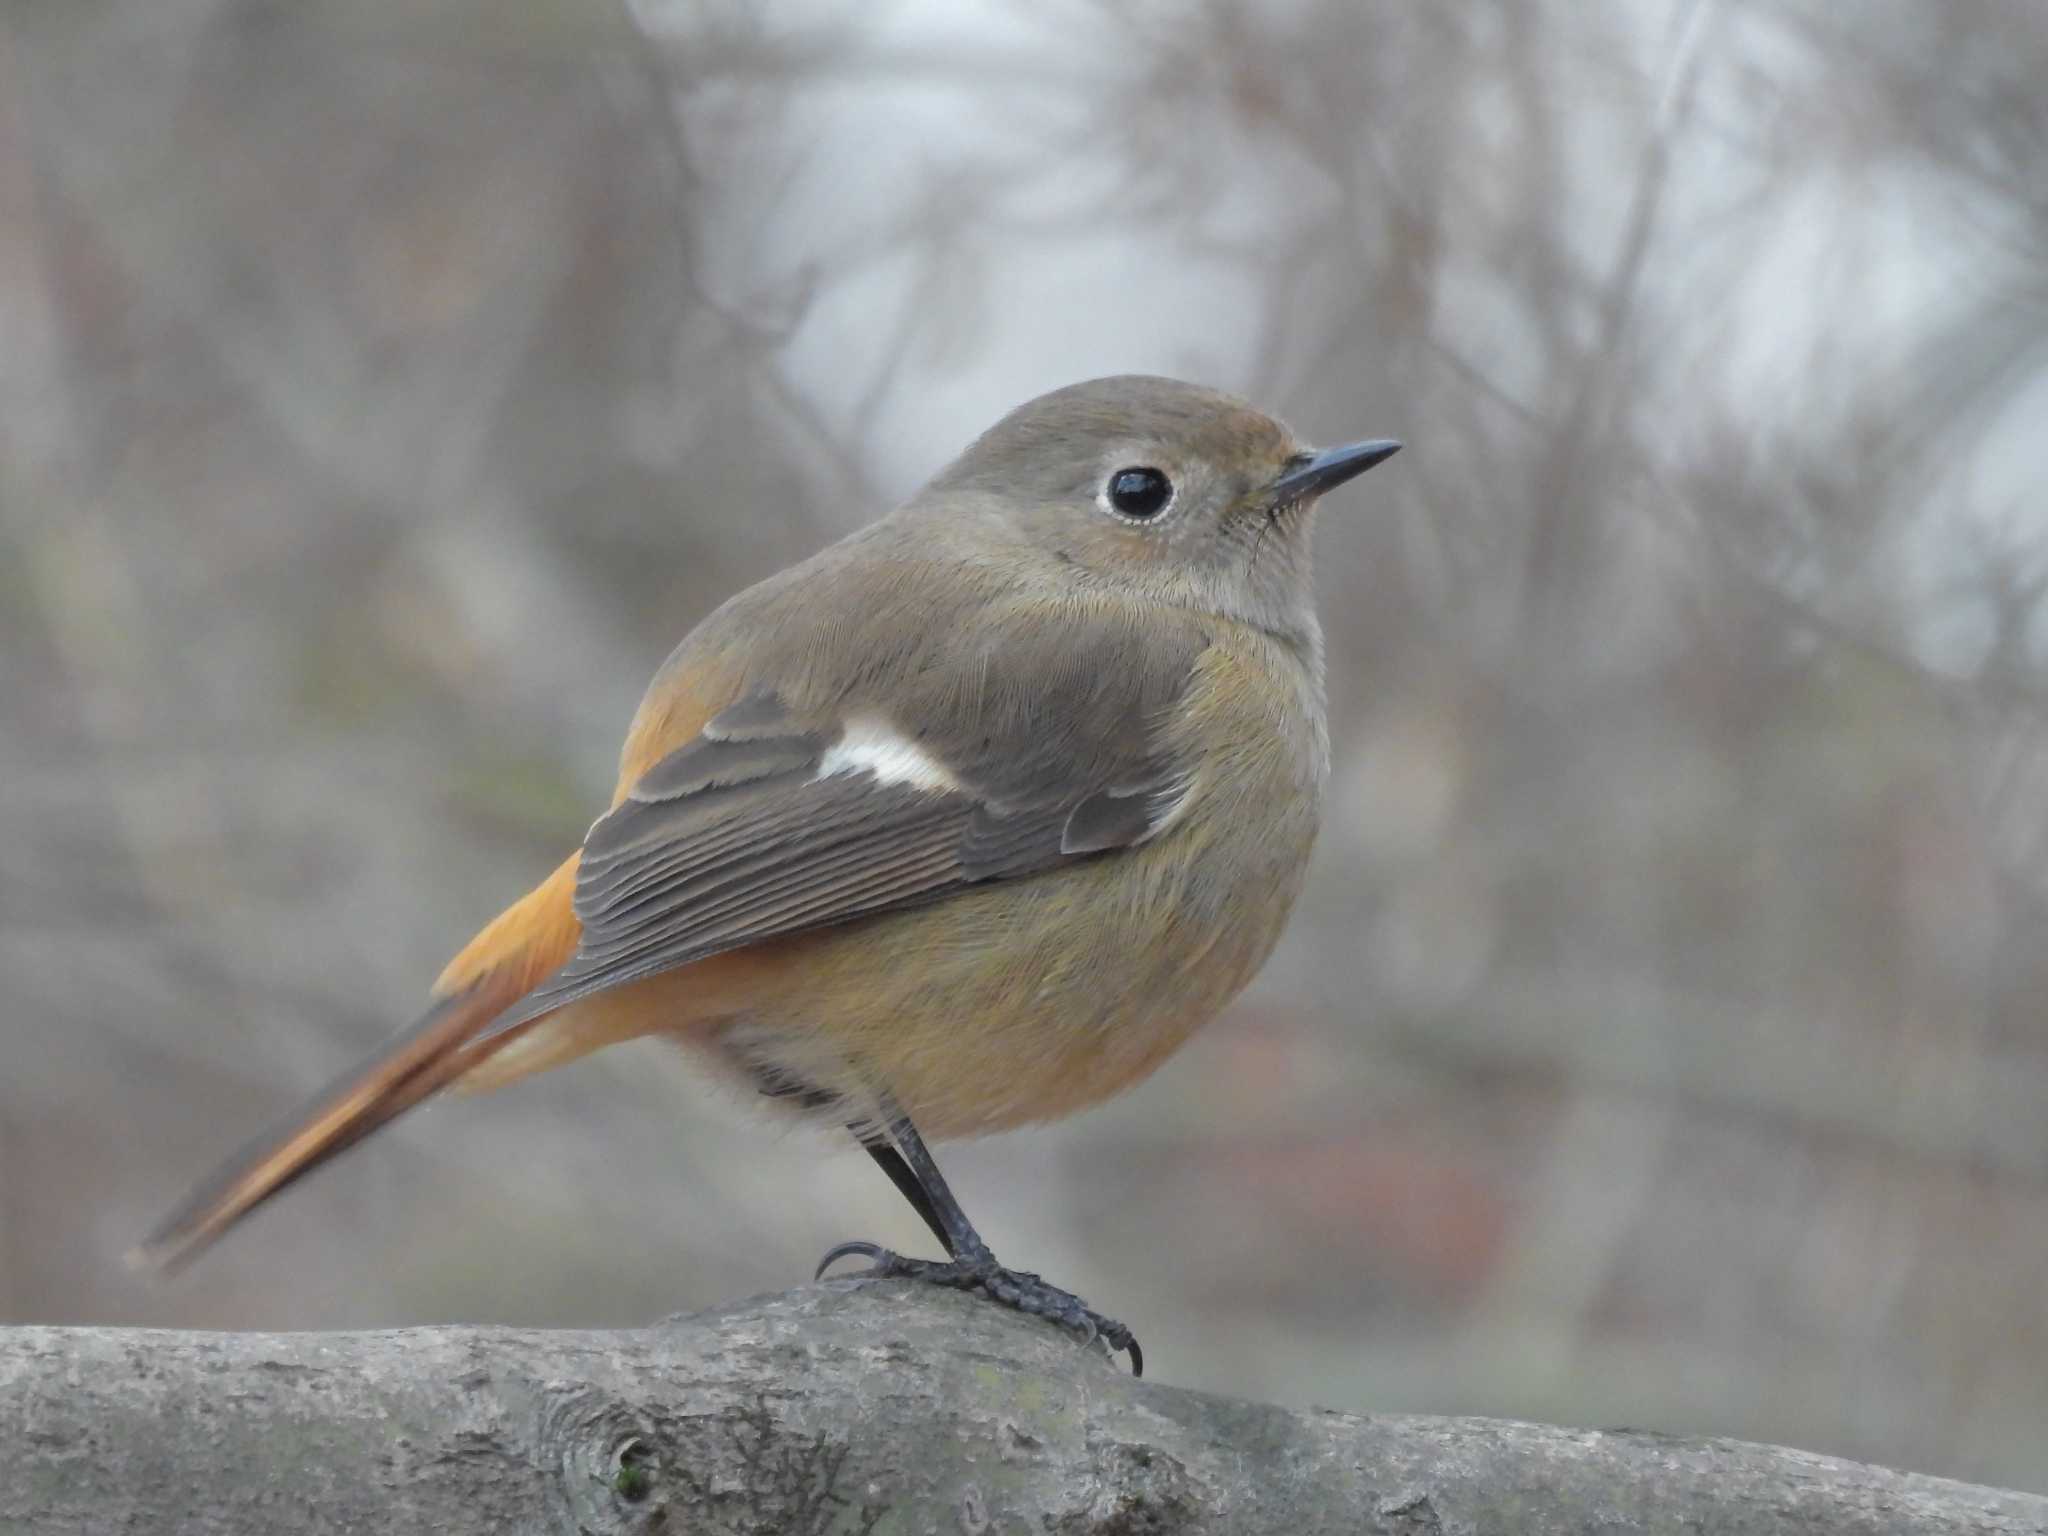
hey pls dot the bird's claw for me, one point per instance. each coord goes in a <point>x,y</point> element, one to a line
<point>874,1251</point>
<point>1014,1288</point>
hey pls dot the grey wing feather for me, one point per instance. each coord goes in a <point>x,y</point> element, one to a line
<point>739,837</point>
<point>1121,816</point>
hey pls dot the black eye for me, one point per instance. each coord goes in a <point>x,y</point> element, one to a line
<point>1140,491</point>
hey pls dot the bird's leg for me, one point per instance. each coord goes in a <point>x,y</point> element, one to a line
<point>777,1084</point>
<point>891,1162</point>
<point>971,1267</point>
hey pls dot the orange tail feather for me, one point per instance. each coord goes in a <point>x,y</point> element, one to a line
<point>413,1066</point>
<point>532,938</point>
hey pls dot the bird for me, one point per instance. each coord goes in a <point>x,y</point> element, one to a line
<point>965,822</point>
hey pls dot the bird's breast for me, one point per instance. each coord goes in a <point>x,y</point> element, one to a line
<point>1026,1000</point>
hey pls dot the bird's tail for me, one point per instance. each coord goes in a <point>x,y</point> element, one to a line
<point>500,966</point>
<point>412,1066</point>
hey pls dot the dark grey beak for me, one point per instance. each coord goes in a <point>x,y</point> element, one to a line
<point>1331,468</point>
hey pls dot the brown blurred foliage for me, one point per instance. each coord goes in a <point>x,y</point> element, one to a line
<point>1662,1042</point>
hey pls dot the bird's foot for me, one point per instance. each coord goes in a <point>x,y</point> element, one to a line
<point>980,1273</point>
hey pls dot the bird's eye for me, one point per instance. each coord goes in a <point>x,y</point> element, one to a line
<point>1139,492</point>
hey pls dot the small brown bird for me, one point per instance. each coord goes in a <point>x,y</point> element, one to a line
<point>965,822</point>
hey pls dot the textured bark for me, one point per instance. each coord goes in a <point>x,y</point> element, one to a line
<point>857,1407</point>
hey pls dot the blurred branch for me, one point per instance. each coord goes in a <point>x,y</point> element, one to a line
<point>1555,571</point>
<point>829,1410</point>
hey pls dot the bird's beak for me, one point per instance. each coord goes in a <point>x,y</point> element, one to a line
<point>1330,468</point>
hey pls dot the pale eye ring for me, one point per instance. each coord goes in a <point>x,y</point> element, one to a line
<point>1137,493</point>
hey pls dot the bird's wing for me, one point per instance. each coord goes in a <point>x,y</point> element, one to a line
<point>774,820</point>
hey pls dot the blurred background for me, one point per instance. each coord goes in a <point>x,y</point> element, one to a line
<point>384,390</point>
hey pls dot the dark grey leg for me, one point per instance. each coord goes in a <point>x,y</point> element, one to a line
<point>777,1085</point>
<point>892,1163</point>
<point>972,1266</point>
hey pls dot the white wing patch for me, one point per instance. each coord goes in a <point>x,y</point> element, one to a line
<point>873,746</point>
<point>1171,803</point>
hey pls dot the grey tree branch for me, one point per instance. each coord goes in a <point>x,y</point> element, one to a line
<point>858,1407</point>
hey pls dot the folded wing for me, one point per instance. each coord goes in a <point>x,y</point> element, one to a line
<point>768,825</point>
